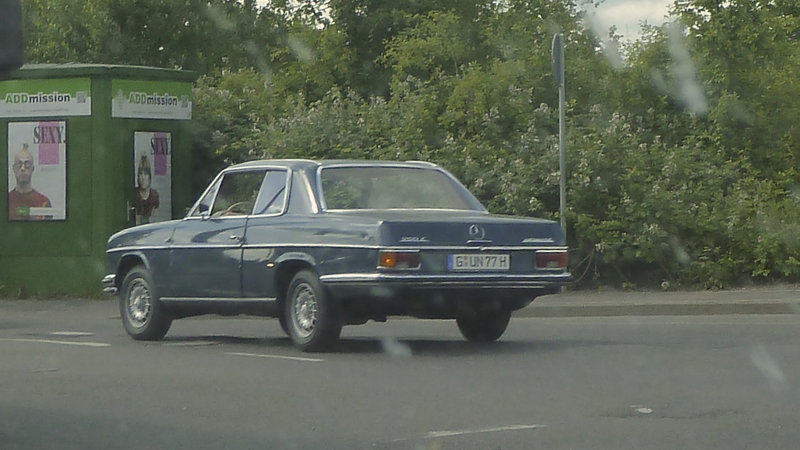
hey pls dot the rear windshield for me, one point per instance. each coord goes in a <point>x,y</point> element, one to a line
<point>392,188</point>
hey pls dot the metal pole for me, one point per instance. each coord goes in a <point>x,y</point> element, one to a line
<point>558,74</point>
<point>562,161</point>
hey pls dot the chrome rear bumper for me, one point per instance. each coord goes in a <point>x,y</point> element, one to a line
<point>443,280</point>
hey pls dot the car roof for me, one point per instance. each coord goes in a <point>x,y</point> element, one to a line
<point>305,164</point>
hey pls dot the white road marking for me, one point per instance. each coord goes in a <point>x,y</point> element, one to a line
<point>291,358</point>
<point>449,433</point>
<point>190,344</point>
<point>71,333</point>
<point>641,409</point>
<point>785,321</point>
<point>779,319</point>
<point>50,341</point>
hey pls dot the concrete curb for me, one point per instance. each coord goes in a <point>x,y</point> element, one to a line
<point>771,300</point>
<point>676,309</point>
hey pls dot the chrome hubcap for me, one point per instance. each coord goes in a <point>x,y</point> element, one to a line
<point>139,303</point>
<point>304,308</point>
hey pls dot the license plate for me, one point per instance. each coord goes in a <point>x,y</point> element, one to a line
<point>478,262</point>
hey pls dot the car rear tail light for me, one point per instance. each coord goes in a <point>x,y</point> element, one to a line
<point>399,260</point>
<point>551,259</point>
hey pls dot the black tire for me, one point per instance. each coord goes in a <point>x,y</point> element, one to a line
<point>142,314</point>
<point>284,324</point>
<point>484,326</point>
<point>311,315</point>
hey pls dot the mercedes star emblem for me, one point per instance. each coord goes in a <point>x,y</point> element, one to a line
<point>476,231</point>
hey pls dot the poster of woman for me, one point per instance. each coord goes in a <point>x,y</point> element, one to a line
<point>37,178</point>
<point>152,158</point>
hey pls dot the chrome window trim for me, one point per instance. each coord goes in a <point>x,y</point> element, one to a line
<point>265,168</point>
<point>214,181</point>
<point>287,192</point>
<point>312,197</point>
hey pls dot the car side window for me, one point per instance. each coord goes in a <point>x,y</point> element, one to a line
<point>237,193</point>
<point>272,193</point>
<point>204,205</point>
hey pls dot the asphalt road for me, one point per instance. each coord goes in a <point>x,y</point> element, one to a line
<point>71,379</point>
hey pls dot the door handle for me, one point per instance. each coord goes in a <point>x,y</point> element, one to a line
<point>130,212</point>
<point>234,237</point>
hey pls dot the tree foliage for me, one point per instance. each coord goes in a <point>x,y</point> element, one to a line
<point>682,159</point>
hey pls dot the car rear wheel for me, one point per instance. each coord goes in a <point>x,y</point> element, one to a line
<point>484,326</point>
<point>142,314</point>
<point>311,315</point>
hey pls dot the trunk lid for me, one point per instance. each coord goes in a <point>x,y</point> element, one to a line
<point>423,228</point>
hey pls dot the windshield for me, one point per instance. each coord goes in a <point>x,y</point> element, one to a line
<point>391,188</point>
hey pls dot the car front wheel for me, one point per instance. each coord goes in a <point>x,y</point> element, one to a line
<point>284,324</point>
<point>485,326</point>
<point>142,314</point>
<point>311,315</point>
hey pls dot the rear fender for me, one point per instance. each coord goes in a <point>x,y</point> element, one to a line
<point>296,256</point>
<point>287,265</point>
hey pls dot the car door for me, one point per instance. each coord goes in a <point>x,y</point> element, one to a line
<point>258,255</point>
<point>206,252</point>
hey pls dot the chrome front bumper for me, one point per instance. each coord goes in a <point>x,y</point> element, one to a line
<point>110,284</point>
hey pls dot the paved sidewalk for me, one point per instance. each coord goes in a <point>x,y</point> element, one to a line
<point>784,299</point>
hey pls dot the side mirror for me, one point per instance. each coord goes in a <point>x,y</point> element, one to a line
<point>11,42</point>
<point>203,208</point>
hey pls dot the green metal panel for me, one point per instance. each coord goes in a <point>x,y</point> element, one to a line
<point>68,256</point>
<point>38,71</point>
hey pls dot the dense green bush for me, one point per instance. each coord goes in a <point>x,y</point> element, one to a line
<point>682,158</point>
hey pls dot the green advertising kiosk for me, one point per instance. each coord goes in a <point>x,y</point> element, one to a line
<point>88,150</point>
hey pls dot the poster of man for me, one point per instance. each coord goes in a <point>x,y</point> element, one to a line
<point>152,157</point>
<point>37,170</point>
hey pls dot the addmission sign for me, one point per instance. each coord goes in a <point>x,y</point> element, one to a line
<point>38,98</point>
<point>137,99</point>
